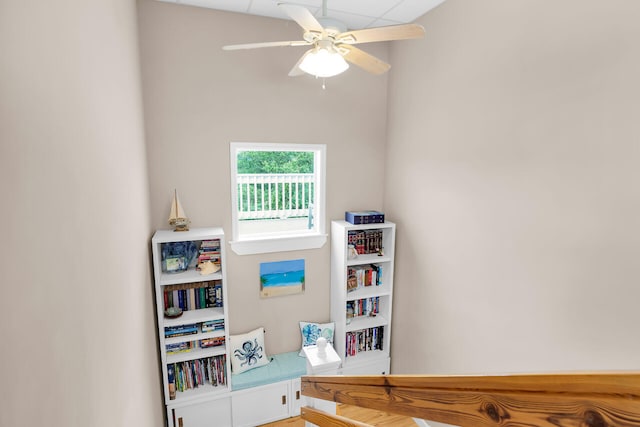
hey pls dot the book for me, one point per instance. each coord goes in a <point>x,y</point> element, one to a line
<point>177,331</point>
<point>212,342</point>
<point>181,347</point>
<point>212,325</point>
<point>210,244</point>
<point>213,295</point>
<point>192,299</point>
<point>364,217</point>
<point>171,381</point>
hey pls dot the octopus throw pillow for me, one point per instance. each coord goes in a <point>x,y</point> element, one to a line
<point>247,351</point>
<point>312,331</point>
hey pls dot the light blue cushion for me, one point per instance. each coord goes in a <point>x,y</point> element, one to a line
<point>284,366</point>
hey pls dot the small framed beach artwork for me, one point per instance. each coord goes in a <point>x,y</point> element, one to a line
<point>281,278</point>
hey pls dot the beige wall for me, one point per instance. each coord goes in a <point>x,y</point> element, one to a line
<point>76,319</point>
<point>198,98</point>
<point>512,171</point>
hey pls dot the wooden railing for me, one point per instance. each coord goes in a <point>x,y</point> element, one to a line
<point>576,400</point>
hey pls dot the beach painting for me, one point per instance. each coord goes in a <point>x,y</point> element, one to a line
<point>281,278</point>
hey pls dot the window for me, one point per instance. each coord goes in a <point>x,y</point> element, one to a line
<point>277,197</point>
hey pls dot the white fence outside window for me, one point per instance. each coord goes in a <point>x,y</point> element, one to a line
<point>275,196</point>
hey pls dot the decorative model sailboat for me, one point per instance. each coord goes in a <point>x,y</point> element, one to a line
<point>177,218</point>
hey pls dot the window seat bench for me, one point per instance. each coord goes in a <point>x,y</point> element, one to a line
<point>283,366</point>
<point>268,393</point>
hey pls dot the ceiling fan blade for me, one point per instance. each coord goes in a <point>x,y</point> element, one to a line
<point>363,60</point>
<point>296,71</point>
<point>380,34</point>
<point>302,16</point>
<point>265,44</point>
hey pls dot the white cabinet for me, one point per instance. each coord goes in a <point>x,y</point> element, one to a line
<point>209,413</point>
<point>362,295</point>
<point>296,398</point>
<point>377,366</point>
<point>194,357</point>
<point>267,403</point>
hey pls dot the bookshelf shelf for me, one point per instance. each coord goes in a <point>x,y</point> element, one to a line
<point>193,371</point>
<point>194,337</point>
<point>360,286</point>
<point>367,358</point>
<point>197,394</point>
<point>368,292</point>
<point>189,276</point>
<point>364,322</point>
<point>196,316</point>
<point>196,354</point>
<point>368,259</point>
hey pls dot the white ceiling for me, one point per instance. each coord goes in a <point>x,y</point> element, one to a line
<point>356,14</point>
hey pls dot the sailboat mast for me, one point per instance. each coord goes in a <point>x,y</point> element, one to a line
<point>175,200</point>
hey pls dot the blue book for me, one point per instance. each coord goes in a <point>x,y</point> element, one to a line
<point>364,217</point>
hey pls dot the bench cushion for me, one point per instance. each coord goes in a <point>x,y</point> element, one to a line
<point>283,366</point>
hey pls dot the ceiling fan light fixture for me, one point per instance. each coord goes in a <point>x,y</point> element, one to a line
<point>323,62</point>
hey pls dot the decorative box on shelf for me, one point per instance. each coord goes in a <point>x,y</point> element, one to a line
<point>364,217</point>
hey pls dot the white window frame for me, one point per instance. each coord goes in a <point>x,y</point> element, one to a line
<point>283,241</point>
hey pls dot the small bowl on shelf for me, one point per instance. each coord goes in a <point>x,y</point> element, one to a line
<point>173,312</point>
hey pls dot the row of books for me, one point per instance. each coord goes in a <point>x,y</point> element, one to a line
<point>366,241</point>
<point>211,342</point>
<point>180,347</point>
<point>187,346</point>
<point>193,296</point>
<point>193,328</point>
<point>364,275</point>
<point>180,330</point>
<point>212,325</point>
<point>363,307</point>
<point>194,373</point>
<point>209,251</point>
<point>364,340</point>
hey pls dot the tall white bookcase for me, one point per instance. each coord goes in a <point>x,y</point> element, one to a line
<point>362,295</point>
<point>195,398</point>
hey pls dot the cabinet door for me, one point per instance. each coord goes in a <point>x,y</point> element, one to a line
<point>212,413</point>
<point>370,367</point>
<point>260,405</point>
<point>297,399</point>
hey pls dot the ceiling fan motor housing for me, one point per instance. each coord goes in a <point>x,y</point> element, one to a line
<point>332,27</point>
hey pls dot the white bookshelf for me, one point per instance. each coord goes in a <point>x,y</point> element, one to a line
<point>187,402</point>
<point>372,356</point>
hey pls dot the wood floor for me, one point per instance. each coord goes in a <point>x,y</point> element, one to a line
<point>369,416</point>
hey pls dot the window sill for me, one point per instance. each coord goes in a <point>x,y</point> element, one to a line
<point>280,244</point>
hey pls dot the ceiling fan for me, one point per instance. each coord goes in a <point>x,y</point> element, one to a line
<point>332,45</point>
